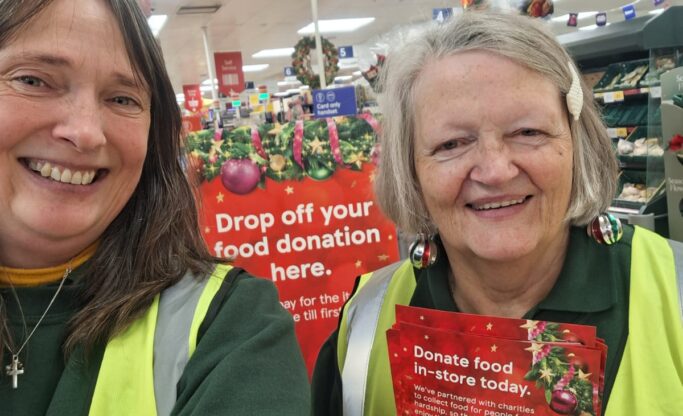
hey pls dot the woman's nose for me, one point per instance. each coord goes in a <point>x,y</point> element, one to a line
<point>493,164</point>
<point>82,124</point>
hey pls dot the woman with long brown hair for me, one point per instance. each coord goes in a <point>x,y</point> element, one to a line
<point>110,303</point>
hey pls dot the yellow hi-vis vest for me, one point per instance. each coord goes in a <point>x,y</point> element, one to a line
<point>650,376</point>
<point>142,365</point>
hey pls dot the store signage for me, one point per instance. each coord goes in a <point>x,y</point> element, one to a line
<point>345,52</point>
<point>263,96</point>
<point>236,103</point>
<point>440,15</point>
<point>601,19</point>
<point>573,19</point>
<point>629,11</point>
<point>335,102</point>
<point>229,72</point>
<point>289,71</point>
<point>193,97</point>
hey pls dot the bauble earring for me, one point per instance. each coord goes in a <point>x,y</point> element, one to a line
<point>423,251</point>
<point>605,229</point>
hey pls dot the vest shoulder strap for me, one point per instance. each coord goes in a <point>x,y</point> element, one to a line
<point>155,349</point>
<point>362,315</point>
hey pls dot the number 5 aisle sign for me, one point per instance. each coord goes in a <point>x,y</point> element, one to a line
<point>293,203</point>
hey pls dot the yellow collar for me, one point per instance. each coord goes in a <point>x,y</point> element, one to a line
<point>37,277</point>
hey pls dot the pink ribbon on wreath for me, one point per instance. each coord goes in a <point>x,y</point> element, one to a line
<point>372,121</point>
<point>333,134</point>
<point>256,140</point>
<point>298,141</point>
<point>218,134</point>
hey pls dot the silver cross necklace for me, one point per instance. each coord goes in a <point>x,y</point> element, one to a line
<point>16,367</point>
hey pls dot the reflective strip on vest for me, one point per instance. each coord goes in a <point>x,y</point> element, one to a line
<point>137,363</point>
<point>677,249</point>
<point>362,316</point>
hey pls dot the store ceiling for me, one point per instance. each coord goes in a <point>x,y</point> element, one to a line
<point>252,25</point>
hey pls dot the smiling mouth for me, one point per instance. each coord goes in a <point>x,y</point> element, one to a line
<point>62,174</point>
<point>498,204</point>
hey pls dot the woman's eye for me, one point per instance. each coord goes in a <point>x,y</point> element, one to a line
<point>451,144</point>
<point>124,101</point>
<point>529,132</point>
<point>30,81</point>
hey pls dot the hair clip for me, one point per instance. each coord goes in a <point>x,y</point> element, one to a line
<point>575,94</point>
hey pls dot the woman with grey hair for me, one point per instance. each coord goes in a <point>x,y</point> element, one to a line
<point>494,153</point>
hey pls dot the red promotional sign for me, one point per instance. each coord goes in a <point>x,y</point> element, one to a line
<point>193,97</point>
<point>192,123</point>
<point>229,72</point>
<point>460,364</point>
<point>294,204</point>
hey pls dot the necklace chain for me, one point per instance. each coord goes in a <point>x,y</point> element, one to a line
<point>16,367</point>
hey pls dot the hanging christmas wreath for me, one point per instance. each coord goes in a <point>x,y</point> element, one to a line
<point>301,61</point>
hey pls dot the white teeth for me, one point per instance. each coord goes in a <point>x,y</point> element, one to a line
<point>56,174</point>
<point>46,170</point>
<point>63,175</point>
<point>76,178</point>
<point>66,176</point>
<point>494,205</point>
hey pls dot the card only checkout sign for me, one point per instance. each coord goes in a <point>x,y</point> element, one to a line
<point>334,102</point>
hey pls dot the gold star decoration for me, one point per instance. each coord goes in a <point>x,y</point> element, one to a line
<point>535,348</point>
<point>289,190</point>
<point>584,376</point>
<point>368,137</point>
<point>277,129</point>
<point>356,159</point>
<point>358,264</point>
<point>316,146</point>
<point>489,326</point>
<point>547,375</point>
<point>382,257</point>
<point>216,147</point>
<point>529,324</point>
<point>219,197</point>
<point>494,348</point>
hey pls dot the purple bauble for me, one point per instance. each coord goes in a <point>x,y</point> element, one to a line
<point>563,402</point>
<point>240,176</point>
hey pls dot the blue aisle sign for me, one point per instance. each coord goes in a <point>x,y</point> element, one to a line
<point>440,15</point>
<point>629,11</point>
<point>334,102</point>
<point>289,71</point>
<point>345,52</point>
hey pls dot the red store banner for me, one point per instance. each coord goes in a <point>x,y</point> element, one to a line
<point>193,97</point>
<point>294,204</point>
<point>229,72</point>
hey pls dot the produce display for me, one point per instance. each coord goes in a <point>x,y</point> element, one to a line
<point>622,76</point>
<point>636,192</point>
<point>640,147</point>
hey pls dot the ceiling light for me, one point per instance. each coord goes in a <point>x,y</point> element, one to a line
<point>205,88</point>
<point>656,11</point>
<point>336,25</point>
<point>254,68</point>
<point>198,9</point>
<point>273,53</point>
<point>565,17</point>
<point>591,27</point>
<point>343,78</point>
<point>156,22</point>
<point>180,98</point>
<point>208,82</point>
